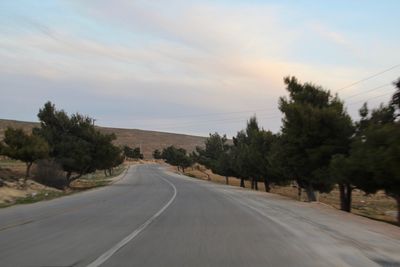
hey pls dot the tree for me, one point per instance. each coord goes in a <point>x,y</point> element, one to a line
<point>395,102</point>
<point>349,170</point>
<point>74,142</point>
<point>107,156</point>
<point>183,160</point>
<point>157,154</point>
<point>177,157</point>
<point>137,153</point>
<point>247,154</point>
<point>383,146</point>
<point>379,147</point>
<point>24,147</point>
<point>215,155</point>
<point>315,127</point>
<point>252,155</point>
<point>350,173</point>
<point>264,143</point>
<point>241,159</point>
<point>133,153</point>
<point>372,162</point>
<point>224,165</point>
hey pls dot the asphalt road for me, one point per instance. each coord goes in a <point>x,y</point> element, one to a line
<point>155,218</point>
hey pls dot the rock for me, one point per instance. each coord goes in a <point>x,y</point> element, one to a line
<point>391,213</point>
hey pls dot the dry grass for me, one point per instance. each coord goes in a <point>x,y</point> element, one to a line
<point>96,179</point>
<point>16,192</point>
<point>148,140</point>
<point>11,169</point>
<point>377,206</point>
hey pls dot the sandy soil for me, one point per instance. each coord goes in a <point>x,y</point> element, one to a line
<point>14,190</point>
<point>377,206</point>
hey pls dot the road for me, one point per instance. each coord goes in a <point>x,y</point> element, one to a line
<point>152,217</point>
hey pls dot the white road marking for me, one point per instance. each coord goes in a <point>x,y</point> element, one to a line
<point>105,256</point>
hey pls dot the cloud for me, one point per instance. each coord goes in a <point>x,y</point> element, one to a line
<point>330,35</point>
<point>183,57</point>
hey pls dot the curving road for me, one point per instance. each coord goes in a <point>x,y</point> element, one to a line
<point>155,218</point>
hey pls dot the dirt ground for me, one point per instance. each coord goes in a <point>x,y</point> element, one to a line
<point>14,191</point>
<point>377,206</point>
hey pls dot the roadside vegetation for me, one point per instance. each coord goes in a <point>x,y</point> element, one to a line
<point>319,150</point>
<point>17,190</point>
<point>67,152</point>
<point>132,153</point>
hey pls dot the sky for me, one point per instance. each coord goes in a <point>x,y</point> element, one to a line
<point>189,66</point>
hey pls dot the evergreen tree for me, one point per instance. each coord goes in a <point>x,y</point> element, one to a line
<point>315,127</point>
<point>157,154</point>
<point>74,142</point>
<point>27,148</point>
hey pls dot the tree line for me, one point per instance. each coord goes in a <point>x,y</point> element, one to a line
<point>319,147</point>
<point>175,156</point>
<point>71,142</point>
<point>132,153</point>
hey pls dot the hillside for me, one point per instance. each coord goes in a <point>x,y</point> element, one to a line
<point>148,140</point>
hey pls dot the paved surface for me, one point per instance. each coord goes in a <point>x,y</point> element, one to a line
<point>155,218</point>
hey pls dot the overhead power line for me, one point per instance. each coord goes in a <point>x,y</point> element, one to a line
<point>368,78</point>
<point>273,114</point>
<point>368,91</point>
<point>271,109</point>
<point>266,109</point>
<point>357,102</point>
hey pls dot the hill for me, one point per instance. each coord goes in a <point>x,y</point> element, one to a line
<point>148,140</point>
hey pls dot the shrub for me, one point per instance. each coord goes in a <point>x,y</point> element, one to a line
<point>50,173</point>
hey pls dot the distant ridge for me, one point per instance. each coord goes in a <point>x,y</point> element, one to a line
<point>148,140</point>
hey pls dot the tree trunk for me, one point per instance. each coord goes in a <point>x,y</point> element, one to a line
<point>349,196</point>
<point>398,208</point>
<point>226,179</point>
<point>68,176</point>
<point>310,193</point>
<point>28,169</point>
<point>183,169</point>
<point>252,183</point>
<point>299,188</point>
<point>208,176</point>
<point>345,191</point>
<point>266,185</point>
<point>342,196</point>
<point>242,183</point>
<point>256,184</point>
<point>299,192</point>
<point>70,179</point>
